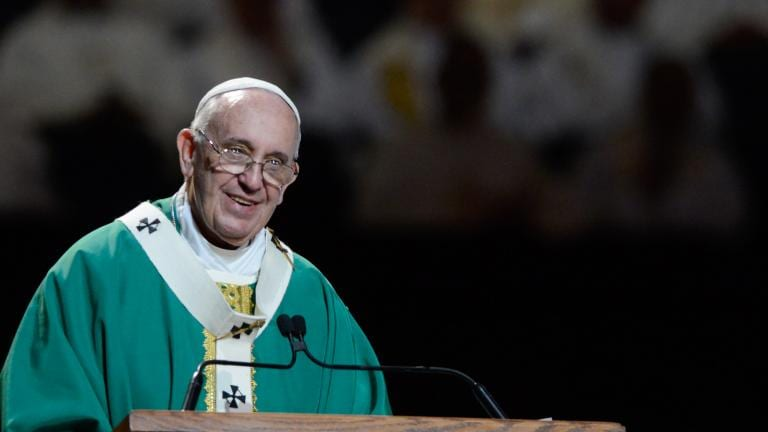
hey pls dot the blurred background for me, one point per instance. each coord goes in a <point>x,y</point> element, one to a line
<point>563,199</point>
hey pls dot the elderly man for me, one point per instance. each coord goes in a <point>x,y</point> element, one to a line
<point>124,317</point>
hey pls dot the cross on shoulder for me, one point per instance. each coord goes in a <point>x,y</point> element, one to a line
<point>150,226</point>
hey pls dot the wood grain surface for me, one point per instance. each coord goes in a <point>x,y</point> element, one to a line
<point>146,420</point>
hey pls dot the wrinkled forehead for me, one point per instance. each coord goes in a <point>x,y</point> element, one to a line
<point>249,107</point>
<point>240,102</point>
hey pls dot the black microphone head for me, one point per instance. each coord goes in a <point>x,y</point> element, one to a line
<point>299,325</point>
<point>285,325</point>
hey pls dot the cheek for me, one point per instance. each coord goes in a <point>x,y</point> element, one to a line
<point>200,185</point>
<point>280,194</point>
<point>206,177</point>
<point>205,188</point>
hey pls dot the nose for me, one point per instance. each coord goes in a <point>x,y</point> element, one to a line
<point>252,179</point>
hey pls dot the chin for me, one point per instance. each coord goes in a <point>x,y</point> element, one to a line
<point>237,237</point>
<point>237,229</point>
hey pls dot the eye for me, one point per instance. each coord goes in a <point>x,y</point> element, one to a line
<point>273,162</point>
<point>236,152</point>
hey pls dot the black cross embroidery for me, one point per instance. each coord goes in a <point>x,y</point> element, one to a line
<point>236,330</point>
<point>152,226</point>
<point>233,397</point>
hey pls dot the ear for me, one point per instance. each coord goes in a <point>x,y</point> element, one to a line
<point>282,189</point>
<point>185,144</point>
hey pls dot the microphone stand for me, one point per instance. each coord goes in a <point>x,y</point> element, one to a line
<point>482,395</point>
<point>196,383</point>
<point>294,329</point>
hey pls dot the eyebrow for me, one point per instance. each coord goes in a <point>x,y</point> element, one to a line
<point>235,140</point>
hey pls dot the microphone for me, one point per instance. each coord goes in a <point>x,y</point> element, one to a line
<point>296,327</point>
<point>196,383</point>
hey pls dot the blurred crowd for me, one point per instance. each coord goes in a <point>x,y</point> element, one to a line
<point>554,116</point>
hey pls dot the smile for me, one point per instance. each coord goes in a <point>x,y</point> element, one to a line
<point>241,201</point>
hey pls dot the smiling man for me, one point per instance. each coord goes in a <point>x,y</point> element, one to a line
<point>125,316</point>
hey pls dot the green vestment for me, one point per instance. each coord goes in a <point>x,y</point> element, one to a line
<point>104,335</point>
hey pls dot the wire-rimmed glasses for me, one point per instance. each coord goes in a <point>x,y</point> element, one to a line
<point>237,160</point>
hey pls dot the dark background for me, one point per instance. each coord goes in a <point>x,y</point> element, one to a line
<point>655,325</point>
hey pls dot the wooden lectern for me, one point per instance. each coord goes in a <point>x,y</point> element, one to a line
<point>192,421</point>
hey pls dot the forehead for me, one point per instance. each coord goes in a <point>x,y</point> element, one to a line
<point>252,104</point>
<point>245,114</point>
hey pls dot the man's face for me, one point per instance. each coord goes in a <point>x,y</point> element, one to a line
<point>230,209</point>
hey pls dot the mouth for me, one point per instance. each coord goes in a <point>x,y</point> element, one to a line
<point>241,201</point>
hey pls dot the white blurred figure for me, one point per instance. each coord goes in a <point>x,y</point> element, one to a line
<point>395,90</point>
<point>281,41</point>
<point>568,75</point>
<point>566,67</point>
<point>61,59</point>
<point>458,172</point>
<point>684,27</point>
<point>667,173</point>
<point>57,62</point>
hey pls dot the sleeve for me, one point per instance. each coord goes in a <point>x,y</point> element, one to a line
<point>348,344</point>
<point>371,385</point>
<point>52,378</point>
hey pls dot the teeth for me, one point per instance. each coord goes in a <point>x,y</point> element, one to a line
<point>241,201</point>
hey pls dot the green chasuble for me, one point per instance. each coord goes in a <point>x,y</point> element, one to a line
<point>104,335</point>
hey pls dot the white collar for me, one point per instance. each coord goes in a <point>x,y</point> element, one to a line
<point>245,260</point>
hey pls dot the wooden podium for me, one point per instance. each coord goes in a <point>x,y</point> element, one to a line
<point>192,421</point>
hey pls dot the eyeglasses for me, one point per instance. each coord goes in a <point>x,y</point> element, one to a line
<point>237,160</point>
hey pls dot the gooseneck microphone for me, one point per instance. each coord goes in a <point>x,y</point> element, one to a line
<point>296,327</point>
<point>196,383</point>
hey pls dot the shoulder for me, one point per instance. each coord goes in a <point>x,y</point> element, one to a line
<point>91,263</point>
<point>103,239</point>
<point>307,281</point>
<point>305,270</point>
<point>110,243</point>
